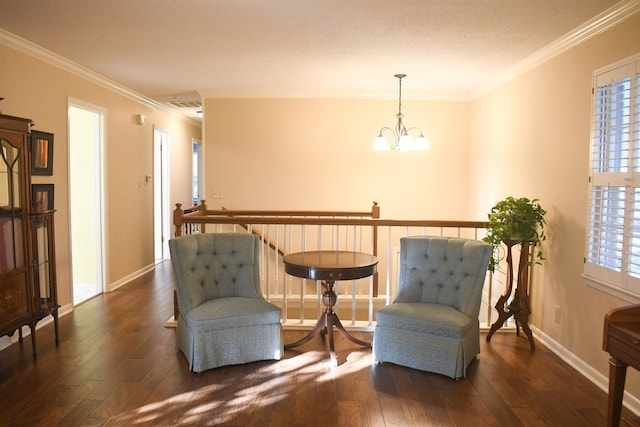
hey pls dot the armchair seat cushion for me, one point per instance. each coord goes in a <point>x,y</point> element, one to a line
<point>230,313</point>
<point>432,319</point>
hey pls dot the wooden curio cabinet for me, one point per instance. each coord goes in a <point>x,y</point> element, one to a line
<point>27,264</point>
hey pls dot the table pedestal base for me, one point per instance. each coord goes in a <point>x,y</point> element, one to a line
<point>325,325</point>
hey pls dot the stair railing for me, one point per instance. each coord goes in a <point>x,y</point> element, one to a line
<point>284,232</point>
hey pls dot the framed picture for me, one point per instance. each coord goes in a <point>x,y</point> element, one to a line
<point>41,197</point>
<point>41,153</point>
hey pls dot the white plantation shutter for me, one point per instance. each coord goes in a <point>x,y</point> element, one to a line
<point>613,224</point>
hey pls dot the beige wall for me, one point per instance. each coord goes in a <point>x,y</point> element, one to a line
<point>41,92</point>
<point>316,154</point>
<point>531,138</point>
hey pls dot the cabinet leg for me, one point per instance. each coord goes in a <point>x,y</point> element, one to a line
<point>617,374</point>
<point>55,325</point>
<point>33,341</point>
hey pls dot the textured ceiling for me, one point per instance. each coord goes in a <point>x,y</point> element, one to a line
<point>297,48</point>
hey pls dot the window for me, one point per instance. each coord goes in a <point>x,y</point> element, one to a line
<point>613,224</point>
<point>196,167</point>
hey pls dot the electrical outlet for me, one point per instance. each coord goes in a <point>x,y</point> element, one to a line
<point>558,314</point>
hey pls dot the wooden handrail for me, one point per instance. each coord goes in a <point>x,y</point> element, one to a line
<point>293,214</point>
<point>200,215</point>
<point>338,221</point>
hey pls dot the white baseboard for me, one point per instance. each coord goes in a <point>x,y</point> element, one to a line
<point>128,278</point>
<point>602,381</point>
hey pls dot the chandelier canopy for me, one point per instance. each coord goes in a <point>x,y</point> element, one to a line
<point>402,141</point>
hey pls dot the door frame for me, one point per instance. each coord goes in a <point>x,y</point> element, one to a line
<point>161,209</point>
<point>100,187</point>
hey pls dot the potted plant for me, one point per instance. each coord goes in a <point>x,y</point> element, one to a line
<point>515,220</point>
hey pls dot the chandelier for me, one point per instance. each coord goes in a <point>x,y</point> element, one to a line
<point>402,141</point>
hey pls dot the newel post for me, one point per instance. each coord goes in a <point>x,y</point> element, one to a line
<point>178,213</point>
<point>375,210</point>
<point>375,214</point>
<point>203,212</point>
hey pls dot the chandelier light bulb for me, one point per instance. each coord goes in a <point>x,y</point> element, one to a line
<point>381,144</point>
<point>405,143</point>
<point>422,143</point>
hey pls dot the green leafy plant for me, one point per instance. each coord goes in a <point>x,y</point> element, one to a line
<point>520,220</point>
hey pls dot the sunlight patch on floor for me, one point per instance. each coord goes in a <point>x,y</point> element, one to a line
<point>261,387</point>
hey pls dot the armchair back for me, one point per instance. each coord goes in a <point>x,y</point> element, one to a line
<point>215,265</point>
<point>443,270</point>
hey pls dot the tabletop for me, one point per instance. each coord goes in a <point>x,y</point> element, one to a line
<point>330,265</point>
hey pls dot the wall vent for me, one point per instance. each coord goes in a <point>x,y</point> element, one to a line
<point>186,104</point>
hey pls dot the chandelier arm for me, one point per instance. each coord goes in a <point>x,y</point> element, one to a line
<point>416,128</point>
<point>386,128</point>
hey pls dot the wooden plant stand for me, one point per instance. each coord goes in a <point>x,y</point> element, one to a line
<point>518,306</point>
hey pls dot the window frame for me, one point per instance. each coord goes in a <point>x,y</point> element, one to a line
<point>612,237</point>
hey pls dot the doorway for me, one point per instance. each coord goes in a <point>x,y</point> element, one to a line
<point>161,210</point>
<point>86,199</point>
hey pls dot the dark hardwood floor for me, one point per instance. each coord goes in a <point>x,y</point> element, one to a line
<point>117,365</point>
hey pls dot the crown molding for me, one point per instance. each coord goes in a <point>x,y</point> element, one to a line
<point>25,46</point>
<point>600,23</point>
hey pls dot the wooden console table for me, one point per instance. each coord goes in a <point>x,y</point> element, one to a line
<point>621,339</point>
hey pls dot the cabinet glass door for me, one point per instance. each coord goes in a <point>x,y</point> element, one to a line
<point>15,295</point>
<point>11,212</point>
<point>44,261</point>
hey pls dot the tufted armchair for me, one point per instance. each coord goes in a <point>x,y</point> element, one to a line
<point>432,324</point>
<point>224,319</point>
